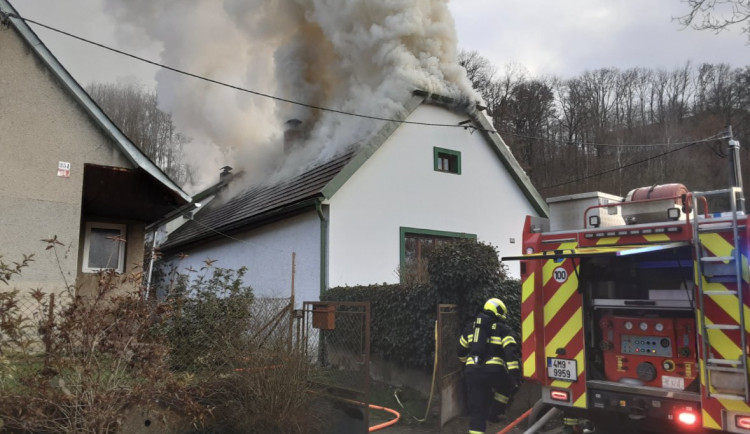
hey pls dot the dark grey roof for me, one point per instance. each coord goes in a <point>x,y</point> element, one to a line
<point>259,204</point>
<point>268,203</point>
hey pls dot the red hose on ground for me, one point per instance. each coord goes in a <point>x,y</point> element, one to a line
<point>384,424</point>
<point>515,422</point>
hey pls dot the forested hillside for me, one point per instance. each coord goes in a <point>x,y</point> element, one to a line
<point>613,130</point>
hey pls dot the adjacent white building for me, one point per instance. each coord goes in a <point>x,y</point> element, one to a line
<point>357,218</point>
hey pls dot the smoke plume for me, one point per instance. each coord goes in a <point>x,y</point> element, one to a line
<point>357,56</point>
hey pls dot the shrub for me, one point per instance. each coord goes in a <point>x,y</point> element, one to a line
<point>209,317</point>
<point>465,273</point>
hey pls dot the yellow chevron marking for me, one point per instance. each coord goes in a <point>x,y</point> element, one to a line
<point>734,405</point>
<point>721,247</point>
<point>527,327</point>
<point>656,237</point>
<point>550,265</point>
<point>563,293</point>
<point>529,365</point>
<point>580,366</point>
<point>717,244</point>
<point>528,287</point>
<point>607,241</point>
<point>729,303</point>
<point>708,421</point>
<point>721,343</point>
<point>581,401</point>
<point>565,334</point>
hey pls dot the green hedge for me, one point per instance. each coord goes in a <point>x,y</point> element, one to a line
<point>466,273</point>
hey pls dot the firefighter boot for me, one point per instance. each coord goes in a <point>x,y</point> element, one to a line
<point>570,426</point>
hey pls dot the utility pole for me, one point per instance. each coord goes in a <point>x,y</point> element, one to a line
<point>735,171</point>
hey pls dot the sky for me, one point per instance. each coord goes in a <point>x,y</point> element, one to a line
<point>547,37</point>
<point>359,57</point>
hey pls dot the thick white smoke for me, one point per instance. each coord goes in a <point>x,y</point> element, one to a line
<point>358,56</point>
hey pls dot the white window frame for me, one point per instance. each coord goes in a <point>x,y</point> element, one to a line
<point>121,251</point>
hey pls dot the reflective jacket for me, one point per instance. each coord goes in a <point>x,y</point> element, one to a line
<point>488,342</point>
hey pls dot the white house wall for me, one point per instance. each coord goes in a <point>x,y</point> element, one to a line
<point>398,187</point>
<point>267,254</point>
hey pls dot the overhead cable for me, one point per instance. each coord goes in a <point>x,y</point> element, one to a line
<point>635,163</point>
<point>242,89</point>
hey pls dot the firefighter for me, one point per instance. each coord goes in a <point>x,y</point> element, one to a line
<point>488,351</point>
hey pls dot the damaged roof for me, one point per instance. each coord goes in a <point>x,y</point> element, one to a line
<point>8,14</point>
<point>264,204</point>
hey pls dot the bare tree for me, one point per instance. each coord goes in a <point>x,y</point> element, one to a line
<point>135,111</point>
<point>717,15</point>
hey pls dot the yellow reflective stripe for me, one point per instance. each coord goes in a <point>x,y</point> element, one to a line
<point>708,421</point>
<point>527,288</point>
<point>581,401</point>
<point>656,237</point>
<point>566,290</point>
<point>607,241</point>
<point>497,340</point>
<point>475,432</point>
<point>496,361</point>
<point>463,342</point>
<point>508,340</point>
<point>550,265</point>
<point>529,365</point>
<point>730,304</point>
<point>570,421</point>
<point>566,333</point>
<point>721,343</point>
<point>475,336</point>
<point>733,405</point>
<point>501,398</point>
<point>512,365</point>
<point>717,244</point>
<point>527,328</point>
<point>462,359</point>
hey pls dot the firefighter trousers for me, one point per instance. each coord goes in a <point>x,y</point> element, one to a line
<point>488,393</point>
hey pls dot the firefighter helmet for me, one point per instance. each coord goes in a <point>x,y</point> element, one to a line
<point>496,306</point>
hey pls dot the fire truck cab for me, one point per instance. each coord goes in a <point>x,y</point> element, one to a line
<point>635,309</point>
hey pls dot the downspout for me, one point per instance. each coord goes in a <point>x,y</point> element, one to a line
<point>323,246</point>
<point>151,266</point>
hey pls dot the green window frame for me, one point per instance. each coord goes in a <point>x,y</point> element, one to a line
<point>446,160</point>
<point>426,234</point>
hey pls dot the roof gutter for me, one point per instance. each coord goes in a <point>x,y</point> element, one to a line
<point>323,245</point>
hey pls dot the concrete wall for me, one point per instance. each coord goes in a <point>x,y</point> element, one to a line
<point>398,187</point>
<point>41,126</point>
<point>267,254</point>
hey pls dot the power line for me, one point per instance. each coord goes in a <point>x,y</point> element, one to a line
<point>628,145</point>
<point>594,175</point>
<point>242,89</point>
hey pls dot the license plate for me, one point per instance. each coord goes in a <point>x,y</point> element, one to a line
<point>668,382</point>
<point>562,369</point>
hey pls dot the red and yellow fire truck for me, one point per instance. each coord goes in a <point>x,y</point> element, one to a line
<point>636,310</point>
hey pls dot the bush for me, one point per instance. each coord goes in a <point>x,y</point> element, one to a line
<point>466,273</point>
<point>209,318</point>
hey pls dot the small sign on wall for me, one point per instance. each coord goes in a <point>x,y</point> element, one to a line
<point>63,169</point>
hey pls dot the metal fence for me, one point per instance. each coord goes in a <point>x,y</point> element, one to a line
<point>449,367</point>
<point>335,338</point>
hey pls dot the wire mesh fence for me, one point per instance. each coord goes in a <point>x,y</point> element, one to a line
<point>335,338</point>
